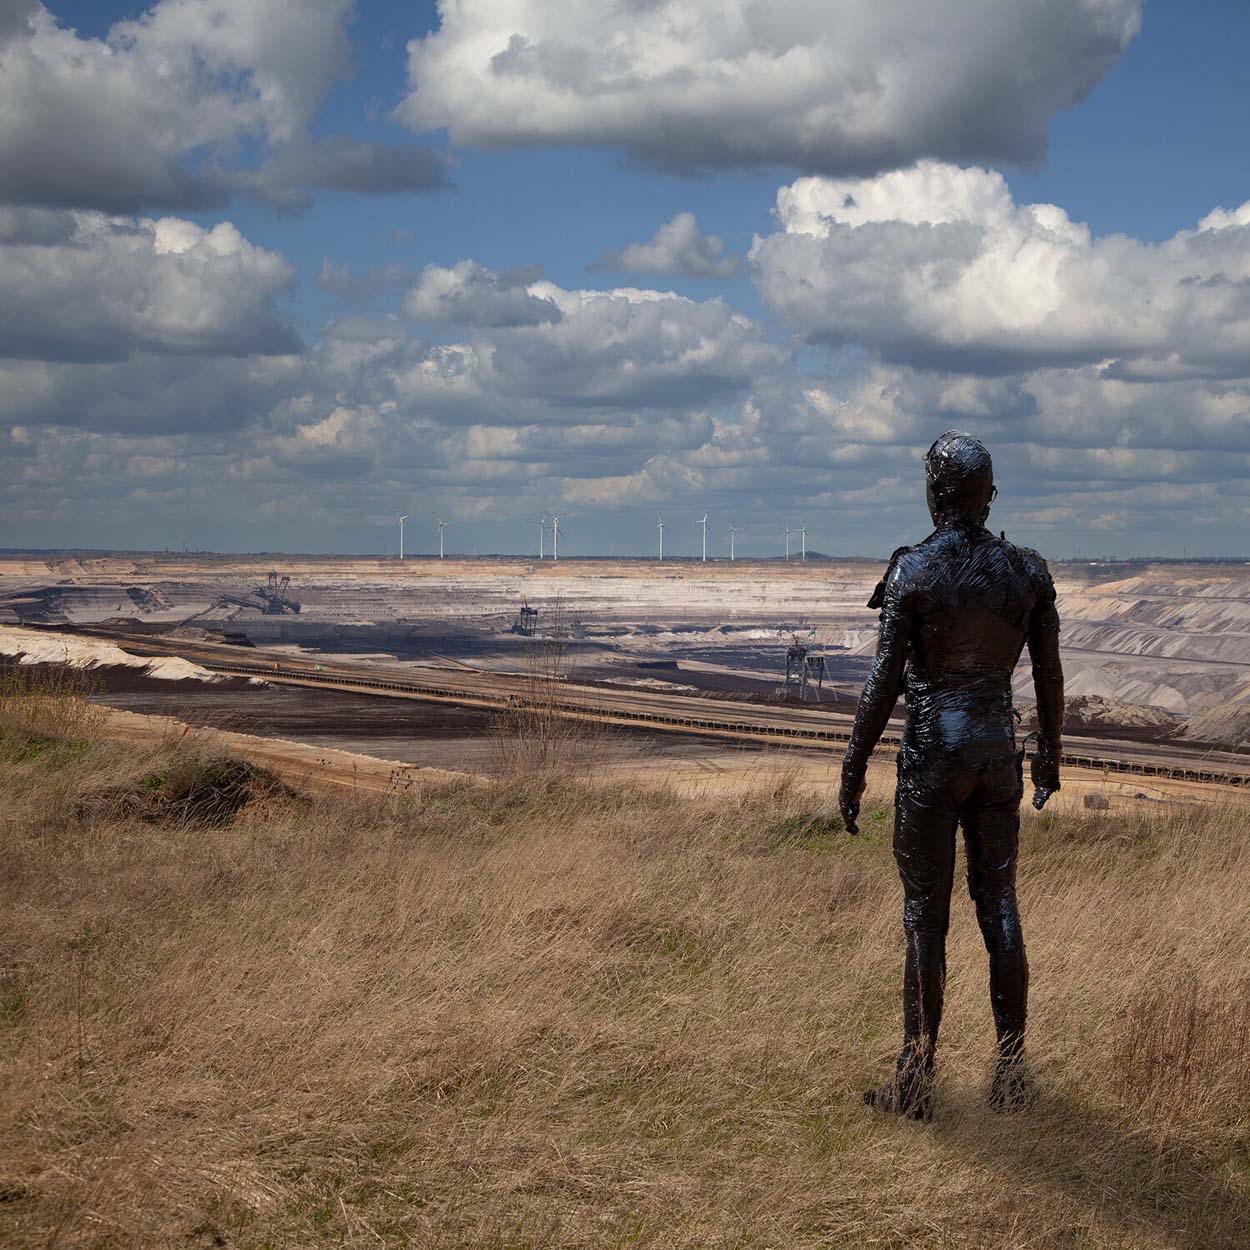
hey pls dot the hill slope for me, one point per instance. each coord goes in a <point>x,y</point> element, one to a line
<point>564,1015</point>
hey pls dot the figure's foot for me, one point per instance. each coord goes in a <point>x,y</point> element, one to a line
<point>1011,1089</point>
<point>892,1099</point>
<point>908,1094</point>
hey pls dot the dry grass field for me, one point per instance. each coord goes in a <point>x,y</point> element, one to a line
<point>560,1013</point>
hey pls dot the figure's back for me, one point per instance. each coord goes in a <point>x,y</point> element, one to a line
<point>969,596</point>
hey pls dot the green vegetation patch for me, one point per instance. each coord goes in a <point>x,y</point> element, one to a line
<point>12,995</point>
<point>822,831</point>
<point>17,747</point>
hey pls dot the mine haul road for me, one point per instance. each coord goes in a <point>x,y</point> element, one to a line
<point>678,713</point>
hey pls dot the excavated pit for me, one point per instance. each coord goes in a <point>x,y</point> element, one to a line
<point>1146,646</point>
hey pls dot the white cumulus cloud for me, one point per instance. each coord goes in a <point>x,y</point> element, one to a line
<point>151,114</point>
<point>625,346</point>
<point>111,287</point>
<point>844,86</point>
<point>630,347</point>
<point>938,266</point>
<point>470,294</point>
<point>677,247</point>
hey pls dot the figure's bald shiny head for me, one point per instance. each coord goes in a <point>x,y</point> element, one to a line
<point>959,478</point>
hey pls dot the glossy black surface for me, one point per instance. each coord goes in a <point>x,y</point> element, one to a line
<point>957,610</point>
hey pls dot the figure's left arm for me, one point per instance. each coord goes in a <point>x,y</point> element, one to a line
<point>1043,642</point>
<point>879,696</point>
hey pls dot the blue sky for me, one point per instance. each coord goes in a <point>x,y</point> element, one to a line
<point>476,349</point>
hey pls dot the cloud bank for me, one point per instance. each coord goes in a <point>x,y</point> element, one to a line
<point>152,376</point>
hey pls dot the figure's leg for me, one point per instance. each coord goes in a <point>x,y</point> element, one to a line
<point>924,847</point>
<point>991,821</point>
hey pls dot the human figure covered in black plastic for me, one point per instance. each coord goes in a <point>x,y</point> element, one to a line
<point>956,612</point>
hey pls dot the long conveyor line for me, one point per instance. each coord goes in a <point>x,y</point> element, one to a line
<point>674,720</point>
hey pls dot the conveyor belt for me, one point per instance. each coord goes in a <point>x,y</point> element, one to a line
<point>666,712</point>
<point>586,707</point>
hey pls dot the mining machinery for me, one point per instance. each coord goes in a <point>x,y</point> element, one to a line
<point>526,623</point>
<point>271,599</point>
<point>274,596</point>
<point>806,671</point>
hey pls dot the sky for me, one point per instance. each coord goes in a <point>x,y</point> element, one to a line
<point>273,272</point>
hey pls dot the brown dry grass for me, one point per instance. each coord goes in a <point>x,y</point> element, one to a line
<point>52,702</point>
<point>563,1015</point>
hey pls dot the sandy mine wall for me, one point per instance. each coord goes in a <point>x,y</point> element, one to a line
<point>1170,636</point>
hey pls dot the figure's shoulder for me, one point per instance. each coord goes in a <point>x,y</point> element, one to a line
<point>903,564</point>
<point>1031,560</point>
<point>1035,569</point>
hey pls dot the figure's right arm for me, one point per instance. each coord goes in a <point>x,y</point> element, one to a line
<point>880,694</point>
<point>1043,644</point>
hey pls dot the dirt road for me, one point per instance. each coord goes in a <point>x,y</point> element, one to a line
<point>301,766</point>
<point>315,769</point>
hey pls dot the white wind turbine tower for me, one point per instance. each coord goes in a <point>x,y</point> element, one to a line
<point>442,525</point>
<point>555,533</point>
<point>661,527</point>
<point>402,519</point>
<point>704,524</point>
<point>802,531</point>
<point>789,531</point>
<point>733,529</point>
<point>542,535</point>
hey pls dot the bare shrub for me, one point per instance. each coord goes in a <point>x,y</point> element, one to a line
<point>539,737</point>
<point>184,788</point>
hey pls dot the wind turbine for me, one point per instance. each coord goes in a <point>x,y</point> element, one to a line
<point>704,524</point>
<point>555,533</point>
<point>803,532</point>
<point>542,534</point>
<point>661,527</point>
<point>402,519</point>
<point>789,531</point>
<point>442,525</point>
<point>733,529</point>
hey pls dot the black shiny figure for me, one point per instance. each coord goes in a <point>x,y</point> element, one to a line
<point>956,612</point>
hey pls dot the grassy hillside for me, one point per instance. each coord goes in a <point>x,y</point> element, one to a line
<point>562,1015</point>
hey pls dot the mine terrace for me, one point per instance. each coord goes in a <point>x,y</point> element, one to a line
<point>687,662</point>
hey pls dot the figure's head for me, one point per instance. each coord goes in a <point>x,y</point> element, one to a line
<point>959,479</point>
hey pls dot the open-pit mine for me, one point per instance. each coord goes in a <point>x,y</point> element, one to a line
<point>416,661</point>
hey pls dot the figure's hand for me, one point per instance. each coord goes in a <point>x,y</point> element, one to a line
<point>848,799</point>
<point>1045,773</point>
